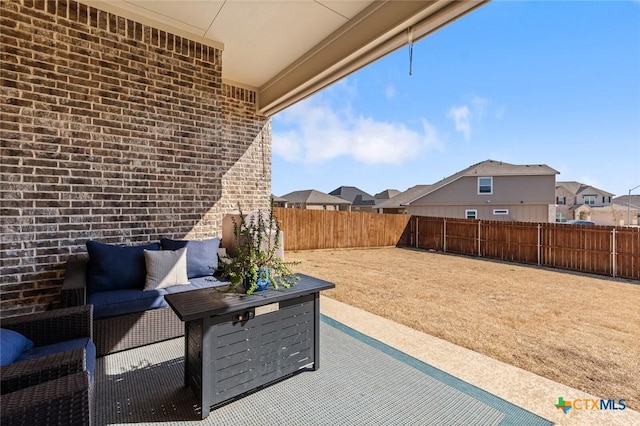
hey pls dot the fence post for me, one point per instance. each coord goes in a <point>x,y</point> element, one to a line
<point>479,237</point>
<point>539,245</point>
<point>347,235</point>
<point>411,231</point>
<point>444,236</point>
<point>417,232</point>
<point>613,252</point>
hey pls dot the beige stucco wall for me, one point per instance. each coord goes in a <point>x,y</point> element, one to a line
<point>612,215</point>
<point>328,207</point>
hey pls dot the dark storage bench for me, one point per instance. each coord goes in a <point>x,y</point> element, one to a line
<point>237,343</point>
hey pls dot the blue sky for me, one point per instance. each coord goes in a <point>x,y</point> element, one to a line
<point>554,83</point>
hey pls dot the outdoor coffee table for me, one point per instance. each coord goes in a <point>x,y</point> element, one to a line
<point>236,343</point>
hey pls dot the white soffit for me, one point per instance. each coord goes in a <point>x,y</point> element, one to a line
<point>263,38</point>
<point>287,50</point>
<point>258,38</point>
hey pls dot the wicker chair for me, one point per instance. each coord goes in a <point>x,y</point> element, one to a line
<point>53,389</point>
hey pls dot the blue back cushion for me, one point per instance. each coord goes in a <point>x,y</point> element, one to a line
<point>12,344</point>
<point>202,256</point>
<point>116,267</point>
<point>121,302</point>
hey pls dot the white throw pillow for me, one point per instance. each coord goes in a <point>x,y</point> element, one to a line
<point>165,268</point>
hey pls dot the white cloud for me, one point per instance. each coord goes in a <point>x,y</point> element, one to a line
<point>287,146</point>
<point>318,131</point>
<point>468,117</point>
<point>462,118</point>
<point>431,136</point>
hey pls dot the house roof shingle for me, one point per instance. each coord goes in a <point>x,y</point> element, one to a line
<point>278,199</point>
<point>403,198</point>
<point>577,188</point>
<point>311,196</point>
<point>386,194</point>
<point>632,201</point>
<point>484,168</point>
<point>355,195</point>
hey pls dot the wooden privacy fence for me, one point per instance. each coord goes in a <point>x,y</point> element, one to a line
<point>320,229</point>
<point>604,250</point>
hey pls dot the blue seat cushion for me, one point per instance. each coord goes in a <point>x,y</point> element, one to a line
<point>121,302</point>
<point>116,267</point>
<point>67,345</point>
<point>202,256</point>
<point>195,284</point>
<point>12,345</point>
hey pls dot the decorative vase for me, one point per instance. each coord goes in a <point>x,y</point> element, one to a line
<point>263,279</point>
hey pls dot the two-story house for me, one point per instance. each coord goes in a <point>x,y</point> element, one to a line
<point>490,190</point>
<point>575,200</point>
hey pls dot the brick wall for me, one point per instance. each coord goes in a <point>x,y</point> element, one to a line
<point>113,131</point>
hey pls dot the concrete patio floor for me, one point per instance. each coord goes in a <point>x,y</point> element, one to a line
<point>527,390</point>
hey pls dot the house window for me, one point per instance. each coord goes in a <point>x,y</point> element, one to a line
<point>561,217</point>
<point>471,214</point>
<point>500,211</point>
<point>560,200</point>
<point>485,185</point>
<point>590,200</point>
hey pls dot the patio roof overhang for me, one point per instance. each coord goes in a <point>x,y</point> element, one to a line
<point>286,51</point>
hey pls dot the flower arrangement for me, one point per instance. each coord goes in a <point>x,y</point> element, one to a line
<point>253,262</point>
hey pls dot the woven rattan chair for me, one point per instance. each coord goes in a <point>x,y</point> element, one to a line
<point>53,389</point>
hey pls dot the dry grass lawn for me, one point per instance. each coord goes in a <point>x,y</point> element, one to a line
<point>579,330</point>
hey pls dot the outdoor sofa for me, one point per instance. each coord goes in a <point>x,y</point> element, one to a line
<point>48,368</point>
<point>126,286</point>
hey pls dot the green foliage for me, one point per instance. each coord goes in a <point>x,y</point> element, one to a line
<point>257,242</point>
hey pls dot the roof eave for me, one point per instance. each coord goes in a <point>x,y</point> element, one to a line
<point>351,47</point>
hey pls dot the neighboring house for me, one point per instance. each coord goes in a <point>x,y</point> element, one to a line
<point>278,201</point>
<point>630,206</point>
<point>315,200</point>
<point>385,195</point>
<point>360,200</point>
<point>575,200</point>
<point>397,203</point>
<point>490,190</point>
